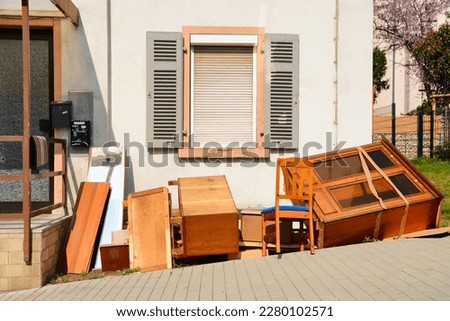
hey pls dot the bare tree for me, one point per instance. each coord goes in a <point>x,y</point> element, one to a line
<point>403,22</point>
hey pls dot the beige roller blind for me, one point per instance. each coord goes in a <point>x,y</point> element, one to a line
<point>223,95</point>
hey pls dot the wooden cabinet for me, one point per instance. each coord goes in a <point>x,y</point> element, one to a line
<point>209,216</point>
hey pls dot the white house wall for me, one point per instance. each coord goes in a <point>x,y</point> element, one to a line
<point>354,52</point>
<point>117,77</point>
<point>42,5</point>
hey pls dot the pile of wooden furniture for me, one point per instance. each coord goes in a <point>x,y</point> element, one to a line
<point>154,235</point>
<point>205,224</point>
<point>346,197</point>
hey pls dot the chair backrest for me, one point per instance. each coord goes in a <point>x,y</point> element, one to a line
<point>296,177</point>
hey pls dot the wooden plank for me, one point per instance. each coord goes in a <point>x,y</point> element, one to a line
<point>86,219</point>
<point>205,195</point>
<point>11,138</point>
<point>33,13</point>
<point>107,165</point>
<point>404,124</point>
<point>115,257</point>
<point>441,231</point>
<point>26,179</point>
<point>149,229</point>
<point>10,177</point>
<point>46,174</point>
<point>119,237</point>
<point>68,9</point>
<point>41,22</point>
<point>248,244</point>
<point>46,209</point>
<point>60,155</point>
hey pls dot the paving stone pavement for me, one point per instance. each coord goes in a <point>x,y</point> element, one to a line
<point>407,270</point>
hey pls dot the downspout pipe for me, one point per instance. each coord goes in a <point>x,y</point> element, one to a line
<point>109,136</point>
<point>336,76</point>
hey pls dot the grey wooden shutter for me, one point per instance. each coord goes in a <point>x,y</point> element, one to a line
<point>164,89</point>
<point>282,90</point>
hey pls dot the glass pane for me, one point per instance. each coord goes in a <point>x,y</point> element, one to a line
<point>11,84</point>
<point>11,106</point>
<point>346,166</point>
<point>380,158</point>
<point>11,192</point>
<point>10,158</point>
<point>11,81</point>
<point>404,184</point>
<point>338,167</point>
<point>40,190</point>
<point>360,194</point>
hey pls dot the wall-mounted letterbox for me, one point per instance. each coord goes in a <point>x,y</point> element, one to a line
<point>61,113</point>
<point>80,133</point>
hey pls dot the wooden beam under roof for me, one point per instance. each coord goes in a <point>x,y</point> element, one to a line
<point>68,9</point>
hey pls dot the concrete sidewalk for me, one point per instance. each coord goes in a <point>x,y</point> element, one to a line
<point>407,269</point>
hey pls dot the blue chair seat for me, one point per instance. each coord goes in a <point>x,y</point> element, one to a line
<point>298,208</point>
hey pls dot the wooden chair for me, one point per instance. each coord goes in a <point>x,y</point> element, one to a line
<point>294,183</point>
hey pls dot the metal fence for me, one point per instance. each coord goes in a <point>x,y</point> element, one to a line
<point>414,135</point>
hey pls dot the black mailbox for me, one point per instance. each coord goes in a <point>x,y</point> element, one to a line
<point>61,113</point>
<point>80,133</point>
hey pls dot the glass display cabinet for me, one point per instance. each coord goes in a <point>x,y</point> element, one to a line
<point>371,192</point>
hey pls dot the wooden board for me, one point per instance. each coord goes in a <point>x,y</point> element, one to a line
<point>119,237</point>
<point>89,209</point>
<point>435,232</point>
<point>149,230</point>
<point>209,216</point>
<point>205,195</point>
<point>107,165</point>
<point>115,257</point>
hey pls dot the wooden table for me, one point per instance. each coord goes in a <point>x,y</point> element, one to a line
<point>209,216</point>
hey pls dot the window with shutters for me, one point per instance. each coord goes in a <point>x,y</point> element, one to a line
<point>222,92</point>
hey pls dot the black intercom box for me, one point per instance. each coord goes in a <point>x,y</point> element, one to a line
<point>61,113</point>
<point>80,133</point>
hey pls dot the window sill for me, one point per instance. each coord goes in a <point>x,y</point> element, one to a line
<point>223,153</point>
